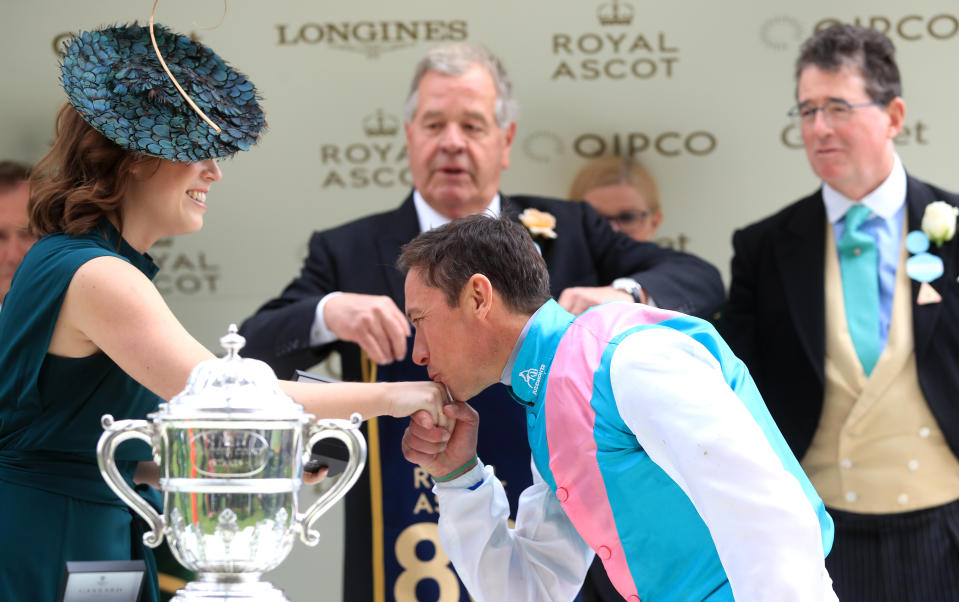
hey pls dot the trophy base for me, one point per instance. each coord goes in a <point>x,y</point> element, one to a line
<point>229,591</point>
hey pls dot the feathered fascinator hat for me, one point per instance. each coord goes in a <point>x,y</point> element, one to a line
<point>161,94</point>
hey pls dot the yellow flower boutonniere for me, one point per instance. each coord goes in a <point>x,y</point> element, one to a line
<point>539,223</point>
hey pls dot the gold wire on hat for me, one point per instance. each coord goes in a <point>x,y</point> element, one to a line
<point>222,19</point>
<point>173,79</point>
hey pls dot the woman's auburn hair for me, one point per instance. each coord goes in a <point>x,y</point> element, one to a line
<point>81,179</point>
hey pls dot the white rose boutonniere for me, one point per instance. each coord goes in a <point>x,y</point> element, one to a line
<point>939,222</point>
<point>539,223</point>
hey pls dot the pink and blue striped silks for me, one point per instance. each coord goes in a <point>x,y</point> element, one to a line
<point>631,504</point>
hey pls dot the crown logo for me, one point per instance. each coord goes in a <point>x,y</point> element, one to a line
<point>614,13</point>
<point>380,124</point>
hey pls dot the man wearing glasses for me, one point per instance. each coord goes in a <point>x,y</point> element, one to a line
<point>856,360</point>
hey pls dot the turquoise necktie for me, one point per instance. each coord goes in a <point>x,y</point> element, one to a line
<point>859,263</point>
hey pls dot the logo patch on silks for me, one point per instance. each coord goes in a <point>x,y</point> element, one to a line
<point>923,267</point>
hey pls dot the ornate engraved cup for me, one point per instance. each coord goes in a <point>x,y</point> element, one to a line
<point>231,451</point>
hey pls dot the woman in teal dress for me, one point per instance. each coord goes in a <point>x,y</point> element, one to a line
<point>83,330</point>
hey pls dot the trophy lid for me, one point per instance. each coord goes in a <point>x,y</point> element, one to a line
<point>232,388</point>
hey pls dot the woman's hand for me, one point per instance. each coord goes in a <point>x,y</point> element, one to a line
<point>312,478</point>
<point>406,398</point>
<point>442,450</point>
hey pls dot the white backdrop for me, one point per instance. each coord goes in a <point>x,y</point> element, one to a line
<point>697,89</point>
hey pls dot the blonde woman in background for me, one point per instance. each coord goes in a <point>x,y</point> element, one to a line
<point>622,191</point>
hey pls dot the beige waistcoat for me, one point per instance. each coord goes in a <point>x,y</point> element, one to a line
<point>878,448</point>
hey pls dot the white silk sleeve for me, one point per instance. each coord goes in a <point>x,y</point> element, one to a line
<point>671,393</point>
<point>541,558</point>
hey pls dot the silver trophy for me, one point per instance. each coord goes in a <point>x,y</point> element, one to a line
<point>231,451</point>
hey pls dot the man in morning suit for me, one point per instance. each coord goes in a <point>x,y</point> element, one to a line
<point>859,368</point>
<point>460,125</point>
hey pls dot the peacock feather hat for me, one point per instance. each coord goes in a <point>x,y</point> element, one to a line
<point>115,80</point>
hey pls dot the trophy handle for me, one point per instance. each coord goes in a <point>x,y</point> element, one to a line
<point>115,433</point>
<point>349,433</point>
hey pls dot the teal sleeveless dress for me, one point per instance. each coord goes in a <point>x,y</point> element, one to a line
<point>55,505</point>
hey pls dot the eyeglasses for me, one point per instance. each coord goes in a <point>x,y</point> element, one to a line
<point>834,112</point>
<point>628,219</point>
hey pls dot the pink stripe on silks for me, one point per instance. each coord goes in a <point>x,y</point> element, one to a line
<point>569,430</point>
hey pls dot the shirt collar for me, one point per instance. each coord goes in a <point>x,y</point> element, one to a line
<point>430,218</point>
<point>507,377</point>
<point>884,201</point>
<point>531,365</point>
